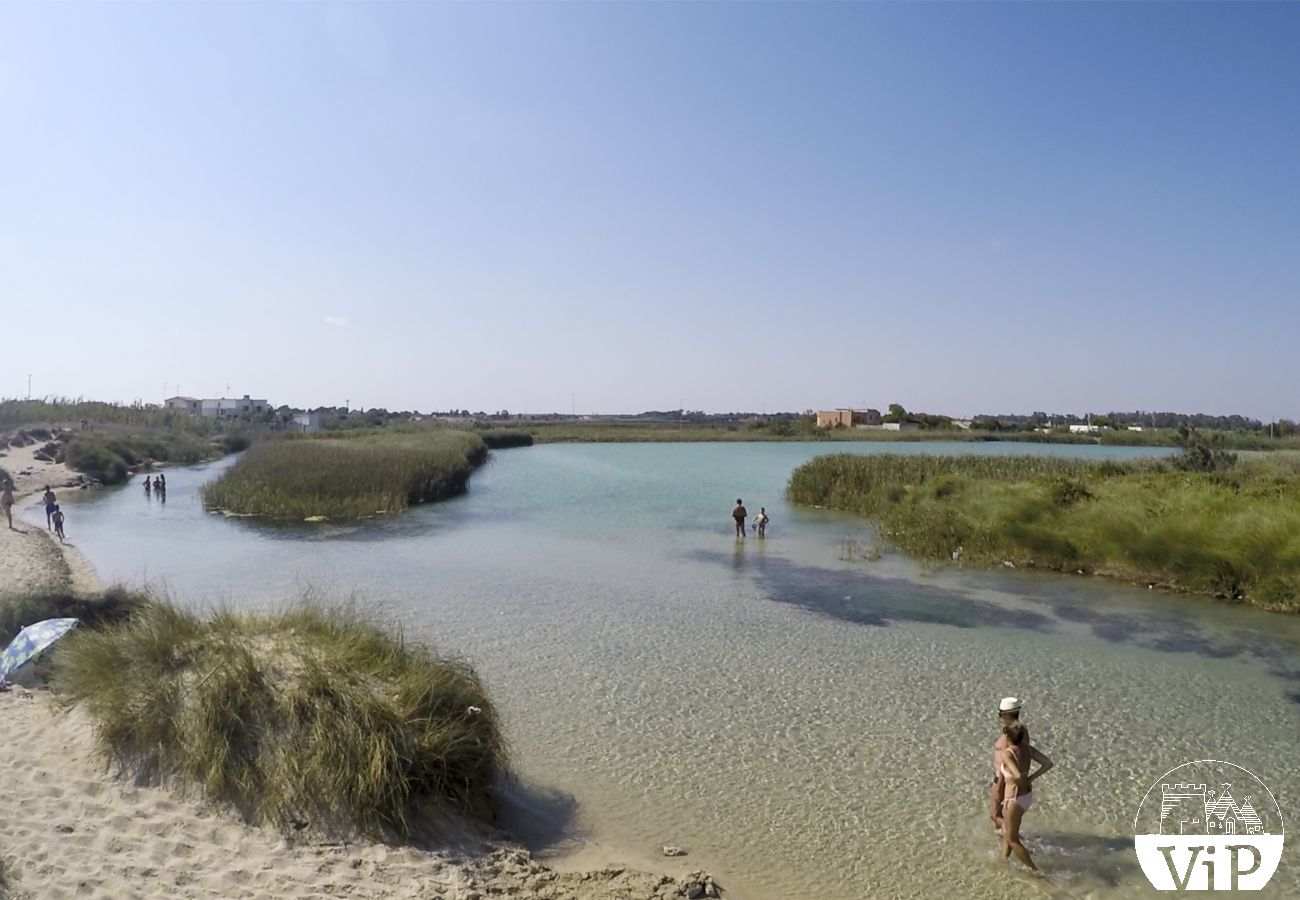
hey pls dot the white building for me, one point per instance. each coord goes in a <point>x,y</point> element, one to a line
<point>307,421</point>
<point>900,426</point>
<point>183,404</point>
<point>1085,429</point>
<point>227,408</point>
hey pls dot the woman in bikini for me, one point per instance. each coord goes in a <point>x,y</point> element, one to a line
<point>1014,761</point>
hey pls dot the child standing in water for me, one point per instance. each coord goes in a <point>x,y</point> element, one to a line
<point>761,521</point>
<point>57,516</point>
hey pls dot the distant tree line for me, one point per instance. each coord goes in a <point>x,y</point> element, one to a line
<point>1018,422</point>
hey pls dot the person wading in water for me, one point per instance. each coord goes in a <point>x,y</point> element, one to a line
<point>739,515</point>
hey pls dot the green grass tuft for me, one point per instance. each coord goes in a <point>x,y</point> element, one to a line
<point>114,605</point>
<point>308,716</point>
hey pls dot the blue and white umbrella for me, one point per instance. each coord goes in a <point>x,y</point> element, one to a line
<point>31,641</point>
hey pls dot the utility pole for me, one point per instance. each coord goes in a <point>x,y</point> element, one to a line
<point>29,386</point>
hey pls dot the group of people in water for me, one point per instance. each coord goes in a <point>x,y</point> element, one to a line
<point>159,486</point>
<point>740,516</point>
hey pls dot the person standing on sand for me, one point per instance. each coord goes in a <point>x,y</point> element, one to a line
<point>7,501</point>
<point>1014,762</point>
<point>58,522</point>
<point>50,507</point>
<point>761,520</point>
<point>739,515</point>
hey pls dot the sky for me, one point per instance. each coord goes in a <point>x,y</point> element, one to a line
<point>615,207</point>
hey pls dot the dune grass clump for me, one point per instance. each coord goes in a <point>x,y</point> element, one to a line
<point>306,717</point>
<point>112,606</point>
<point>1230,534</point>
<point>346,477</point>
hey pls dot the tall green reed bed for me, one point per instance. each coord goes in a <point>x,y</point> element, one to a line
<point>1234,534</point>
<point>309,718</point>
<point>346,477</point>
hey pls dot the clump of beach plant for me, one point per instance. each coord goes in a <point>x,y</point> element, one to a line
<point>311,716</point>
<point>114,605</point>
<point>346,477</point>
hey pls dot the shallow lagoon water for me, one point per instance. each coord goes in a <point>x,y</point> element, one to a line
<point>805,720</point>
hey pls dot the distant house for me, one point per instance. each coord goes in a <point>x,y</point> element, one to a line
<point>227,408</point>
<point>1135,428</point>
<point>188,405</point>
<point>307,421</point>
<point>1085,429</point>
<point>900,426</point>
<point>848,418</point>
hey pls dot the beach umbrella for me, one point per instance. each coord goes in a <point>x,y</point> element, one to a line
<point>31,641</point>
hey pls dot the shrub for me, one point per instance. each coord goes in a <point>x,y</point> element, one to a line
<point>308,716</point>
<point>1201,452</point>
<point>87,453</point>
<point>501,439</point>
<point>235,441</point>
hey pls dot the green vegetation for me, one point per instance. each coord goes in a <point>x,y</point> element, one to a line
<point>108,456</point>
<point>307,717</point>
<point>501,438</point>
<point>114,605</point>
<point>1228,531</point>
<point>16,413</point>
<point>353,476</point>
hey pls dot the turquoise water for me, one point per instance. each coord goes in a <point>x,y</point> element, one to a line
<point>806,720</point>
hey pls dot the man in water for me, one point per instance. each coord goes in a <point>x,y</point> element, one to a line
<point>1008,712</point>
<point>740,515</point>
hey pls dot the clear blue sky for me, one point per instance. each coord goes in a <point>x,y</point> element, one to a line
<point>962,208</point>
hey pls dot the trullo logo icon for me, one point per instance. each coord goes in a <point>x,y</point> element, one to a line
<point>1208,825</point>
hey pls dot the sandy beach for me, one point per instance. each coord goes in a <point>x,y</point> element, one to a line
<point>75,829</point>
<point>31,558</point>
